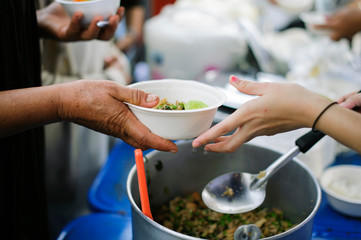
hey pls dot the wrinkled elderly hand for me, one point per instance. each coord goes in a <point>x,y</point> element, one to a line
<point>280,107</point>
<point>351,100</point>
<point>343,24</point>
<point>54,23</point>
<point>99,105</point>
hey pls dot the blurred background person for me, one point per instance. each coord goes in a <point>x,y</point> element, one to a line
<point>344,22</point>
<point>129,35</point>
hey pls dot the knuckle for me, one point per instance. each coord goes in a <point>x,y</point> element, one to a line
<point>142,142</point>
<point>137,96</point>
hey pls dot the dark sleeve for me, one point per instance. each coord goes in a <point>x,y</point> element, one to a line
<point>23,207</point>
<point>131,3</point>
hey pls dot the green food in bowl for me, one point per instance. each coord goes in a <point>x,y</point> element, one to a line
<point>194,104</point>
<point>191,104</point>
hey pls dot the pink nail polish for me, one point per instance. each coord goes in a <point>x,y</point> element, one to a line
<point>234,79</point>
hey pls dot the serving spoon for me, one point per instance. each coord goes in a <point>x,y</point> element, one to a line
<point>239,192</point>
<point>103,23</point>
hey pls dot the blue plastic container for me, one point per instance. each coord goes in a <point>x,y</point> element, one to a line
<point>98,226</point>
<point>108,192</point>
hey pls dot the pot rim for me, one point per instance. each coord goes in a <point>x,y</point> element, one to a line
<point>177,234</point>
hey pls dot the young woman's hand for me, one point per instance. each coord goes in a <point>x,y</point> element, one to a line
<point>280,107</point>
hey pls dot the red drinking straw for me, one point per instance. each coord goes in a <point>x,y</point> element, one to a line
<point>142,182</point>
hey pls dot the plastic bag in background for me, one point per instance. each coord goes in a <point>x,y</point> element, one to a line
<point>189,38</point>
<point>324,67</point>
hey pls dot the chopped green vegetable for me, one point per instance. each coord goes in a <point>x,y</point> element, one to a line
<point>194,104</point>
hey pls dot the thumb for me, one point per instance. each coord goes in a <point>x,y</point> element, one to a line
<point>137,97</point>
<point>246,86</point>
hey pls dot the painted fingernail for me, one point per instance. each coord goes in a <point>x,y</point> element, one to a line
<point>234,79</point>
<point>151,98</point>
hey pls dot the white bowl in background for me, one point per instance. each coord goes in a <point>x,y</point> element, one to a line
<point>312,18</point>
<point>90,9</point>
<point>178,124</point>
<point>342,185</point>
<point>295,6</point>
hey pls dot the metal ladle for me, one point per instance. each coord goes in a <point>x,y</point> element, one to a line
<point>239,192</point>
<point>247,232</point>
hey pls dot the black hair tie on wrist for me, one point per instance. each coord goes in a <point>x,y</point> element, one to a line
<point>318,117</point>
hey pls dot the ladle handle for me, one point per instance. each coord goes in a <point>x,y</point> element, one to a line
<point>303,143</point>
<point>308,140</point>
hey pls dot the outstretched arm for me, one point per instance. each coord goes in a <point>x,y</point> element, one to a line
<point>280,107</point>
<point>97,104</point>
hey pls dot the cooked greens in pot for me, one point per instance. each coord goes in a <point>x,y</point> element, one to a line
<point>190,216</point>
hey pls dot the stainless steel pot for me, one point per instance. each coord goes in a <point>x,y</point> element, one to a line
<point>293,189</point>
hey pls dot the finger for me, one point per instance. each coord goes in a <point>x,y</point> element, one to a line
<point>109,60</point>
<point>141,137</point>
<point>92,31</point>
<point>228,143</point>
<point>135,96</point>
<point>335,36</point>
<point>154,141</point>
<point>120,13</point>
<point>248,87</point>
<point>227,125</point>
<point>74,26</point>
<point>222,138</point>
<point>321,26</point>
<point>108,31</point>
<point>351,102</point>
<point>343,98</point>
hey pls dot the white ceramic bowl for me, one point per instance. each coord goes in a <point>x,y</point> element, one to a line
<point>90,9</point>
<point>181,124</point>
<point>342,185</point>
<point>312,18</point>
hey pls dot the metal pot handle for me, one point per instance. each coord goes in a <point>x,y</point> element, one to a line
<point>247,232</point>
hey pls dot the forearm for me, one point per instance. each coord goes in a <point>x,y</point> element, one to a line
<point>135,19</point>
<point>23,109</point>
<point>345,129</point>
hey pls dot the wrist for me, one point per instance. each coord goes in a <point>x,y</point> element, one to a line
<point>311,108</point>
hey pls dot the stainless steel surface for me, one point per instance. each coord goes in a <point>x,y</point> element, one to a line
<point>247,232</point>
<point>295,190</point>
<point>239,192</point>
